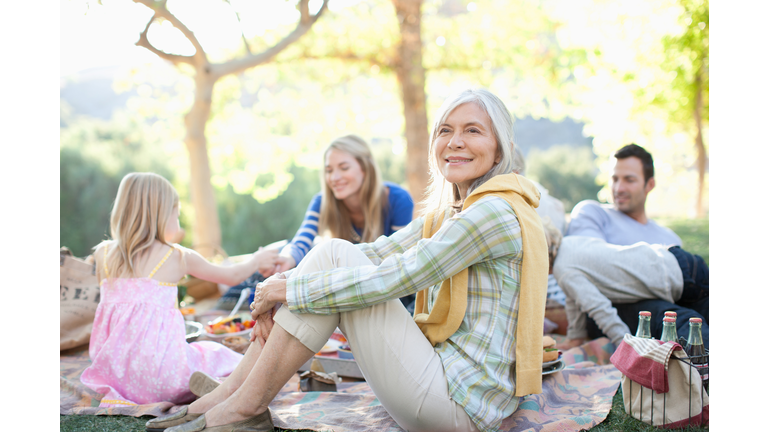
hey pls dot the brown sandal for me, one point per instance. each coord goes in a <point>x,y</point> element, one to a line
<point>200,383</point>
<point>162,423</point>
<point>259,423</point>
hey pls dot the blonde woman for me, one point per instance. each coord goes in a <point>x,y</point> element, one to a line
<point>354,204</point>
<point>138,348</point>
<point>478,260</point>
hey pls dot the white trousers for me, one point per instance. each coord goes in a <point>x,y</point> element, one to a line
<point>397,361</point>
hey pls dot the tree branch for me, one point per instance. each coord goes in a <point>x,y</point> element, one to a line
<point>345,56</point>
<point>242,33</point>
<point>161,11</point>
<point>238,65</point>
<point>144,42</point>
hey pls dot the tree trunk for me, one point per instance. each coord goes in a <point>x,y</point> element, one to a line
<point>701,152</point>
<point>411,77</point>
<point>206,229</point>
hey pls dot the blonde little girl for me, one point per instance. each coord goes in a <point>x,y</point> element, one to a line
<point>138,347</point>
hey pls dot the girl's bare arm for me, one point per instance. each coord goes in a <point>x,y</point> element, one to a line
<point>201,268</point>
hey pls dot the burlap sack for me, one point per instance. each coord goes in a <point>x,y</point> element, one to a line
<point>682,405</point>
<point>79,297</point>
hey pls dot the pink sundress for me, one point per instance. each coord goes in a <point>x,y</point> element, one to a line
<point>138,348</point>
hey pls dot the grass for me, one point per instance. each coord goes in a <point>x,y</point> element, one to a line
<point>90,423</point>
<point>619,420</point>
<point>693,232</point>
<point>695,236</point>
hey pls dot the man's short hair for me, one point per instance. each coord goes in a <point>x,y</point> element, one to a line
<point>635,150</point>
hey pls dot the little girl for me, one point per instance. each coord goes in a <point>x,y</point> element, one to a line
<point>138,346</point>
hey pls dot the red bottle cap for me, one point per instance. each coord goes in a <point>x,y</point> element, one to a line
<point>670,314</point>
<point>668,319</point>
<point>695,320</point>
<point>646,313</point>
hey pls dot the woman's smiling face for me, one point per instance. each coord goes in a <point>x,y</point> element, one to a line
<point>465,146</point>
<point>343,174</point>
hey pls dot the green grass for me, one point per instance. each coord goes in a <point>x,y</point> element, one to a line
<point>90,423</point>
<point>619,420</point>
<point>693,232</point>
<point>695,236</point>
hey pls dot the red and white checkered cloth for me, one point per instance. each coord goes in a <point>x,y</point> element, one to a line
<point>645,361</point>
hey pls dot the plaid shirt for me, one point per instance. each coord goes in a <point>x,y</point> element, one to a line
<point>478,358</point>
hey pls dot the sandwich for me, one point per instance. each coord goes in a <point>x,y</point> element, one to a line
<point>550,352</point>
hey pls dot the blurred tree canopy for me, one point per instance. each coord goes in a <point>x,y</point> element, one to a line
<point>622,67</point>
<point>94,157</point>
<point>645,80</point>
<point>567,172</point>
<point>206,70</point>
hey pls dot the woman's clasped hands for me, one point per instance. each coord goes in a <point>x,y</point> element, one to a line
<point>266,301</point>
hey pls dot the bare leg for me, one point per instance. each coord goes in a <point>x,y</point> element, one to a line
<point>281,357</point>
<point>230,384</point>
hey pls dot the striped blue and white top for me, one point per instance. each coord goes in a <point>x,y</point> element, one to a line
<point>396,216</point>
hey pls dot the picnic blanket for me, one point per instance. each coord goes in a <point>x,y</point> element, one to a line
<point>578,397</point>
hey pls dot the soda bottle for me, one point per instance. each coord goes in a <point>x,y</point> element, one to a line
<point>696,351</point>
<point>669,332</point>
<point>644,325</point>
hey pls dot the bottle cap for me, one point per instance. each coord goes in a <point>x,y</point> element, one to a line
<point>670,314</point>
<point>647,314</point>
<point>695,320</point>
<point>668,320</point>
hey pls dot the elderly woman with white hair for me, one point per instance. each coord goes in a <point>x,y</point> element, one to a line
<point>478,262</point>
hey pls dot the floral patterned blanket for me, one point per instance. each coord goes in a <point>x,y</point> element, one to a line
<point>575,398</point>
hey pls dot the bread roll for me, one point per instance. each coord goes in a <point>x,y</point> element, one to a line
<point>549,344</point>
<point>550,356</point>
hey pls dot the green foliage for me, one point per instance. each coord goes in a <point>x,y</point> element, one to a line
<point>693,232</point>
<point>687,62</point>
<point>567,172</point>
<point>247,224</point>
<point>636,85</point>
<point>94,157</point>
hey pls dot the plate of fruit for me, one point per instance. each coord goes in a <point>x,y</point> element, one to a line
<point>222,327</point>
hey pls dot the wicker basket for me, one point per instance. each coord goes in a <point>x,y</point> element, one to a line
<point>200,289</point>
<point>237,343</point>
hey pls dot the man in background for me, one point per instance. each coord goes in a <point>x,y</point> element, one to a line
<point>615,262</point>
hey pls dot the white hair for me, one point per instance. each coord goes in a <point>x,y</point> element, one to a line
<point>501,124</point>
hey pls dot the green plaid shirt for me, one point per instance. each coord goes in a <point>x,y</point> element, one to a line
<point>478,358</point>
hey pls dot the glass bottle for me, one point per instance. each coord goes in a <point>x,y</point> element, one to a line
<point>669,332</point>
<point>644,325</point>
<point>696,351</point>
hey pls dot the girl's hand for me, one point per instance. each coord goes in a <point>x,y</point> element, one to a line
<point>265,260</point>
<point>267,294</point>
<point>285,263</point>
